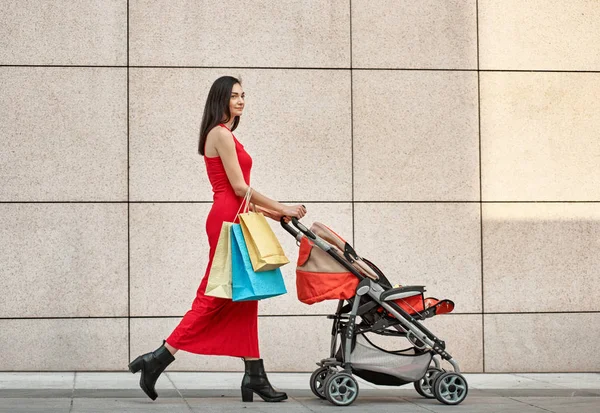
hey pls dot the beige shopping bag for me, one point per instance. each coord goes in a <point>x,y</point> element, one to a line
<point>219,278</point>
<point>263,246</point>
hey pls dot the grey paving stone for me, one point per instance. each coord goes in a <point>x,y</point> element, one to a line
<point>50,405</point>
<point>229,405</point>
<point>35,380</point>
<point>116,381</point>
<point>478,405</point>
<point>568,380</point>
<point>119,392</point>
<point>539,393</point>
<point>170,405</point>
<point>564,404</point>
<point>365,404</point>
<point>36,393</point>
<point>122,394</point>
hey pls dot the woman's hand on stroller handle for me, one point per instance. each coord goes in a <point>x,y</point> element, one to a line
<point>285,223</point>
<point>293,211</point>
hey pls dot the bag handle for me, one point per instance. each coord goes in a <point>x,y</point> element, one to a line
<point>245,203</point>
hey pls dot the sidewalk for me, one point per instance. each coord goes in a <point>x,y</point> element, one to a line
<point>219,392</point>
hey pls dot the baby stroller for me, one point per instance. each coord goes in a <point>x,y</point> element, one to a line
<point>370,308</point>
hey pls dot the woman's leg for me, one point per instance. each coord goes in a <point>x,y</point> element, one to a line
<point>171,349</point>
<point>255,381</point>
<point>151,366</point>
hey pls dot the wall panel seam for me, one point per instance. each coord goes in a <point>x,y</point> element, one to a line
<point>139,317</point>
<point>406,69</point>
<point>480,192</point>
<point>128,209</point>
<point>352,125</point>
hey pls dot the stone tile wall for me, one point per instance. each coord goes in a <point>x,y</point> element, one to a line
<point>454,142</point>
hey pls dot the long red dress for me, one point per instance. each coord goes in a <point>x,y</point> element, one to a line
<point>219,326</point>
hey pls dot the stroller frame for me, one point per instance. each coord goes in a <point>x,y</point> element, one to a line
<point>407,325</point>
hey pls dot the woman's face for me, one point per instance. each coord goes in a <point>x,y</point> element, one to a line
<point>236,101</point>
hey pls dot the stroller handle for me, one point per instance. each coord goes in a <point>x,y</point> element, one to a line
<point>289,228</point>
<point>299,226</point>
<point>303,229</point>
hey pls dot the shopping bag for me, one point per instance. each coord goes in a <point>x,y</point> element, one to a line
<point>263,246</point>
<point>247,284</point>
<point>219,278</point>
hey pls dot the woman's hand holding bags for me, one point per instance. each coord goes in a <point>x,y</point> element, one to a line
<point>247,259</point>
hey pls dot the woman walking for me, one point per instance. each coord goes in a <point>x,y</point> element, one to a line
<point>217,326</point>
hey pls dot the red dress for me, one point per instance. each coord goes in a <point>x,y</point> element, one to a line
<point>219,326</point>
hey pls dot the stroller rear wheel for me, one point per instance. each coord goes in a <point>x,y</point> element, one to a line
<point>341,389</point>
<point>450,388</point>
<point>425,386</point>
<point>317,381</point>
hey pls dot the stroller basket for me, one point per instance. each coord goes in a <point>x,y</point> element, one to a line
<point>388,368</point>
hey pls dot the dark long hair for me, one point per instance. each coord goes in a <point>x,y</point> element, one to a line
<point>217,108</point>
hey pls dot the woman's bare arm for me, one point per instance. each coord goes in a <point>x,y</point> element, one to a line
<point>268,213</point>
<point>225,146</point>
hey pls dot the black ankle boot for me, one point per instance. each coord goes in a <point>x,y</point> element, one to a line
<point>255,381</point>
<point>151,365</point>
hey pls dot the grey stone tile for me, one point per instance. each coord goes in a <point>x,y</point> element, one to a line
<point>426,149</point>
<point>541,342</point>
<point>64,133</point>
<point>36,393</point>
<point>549,392</point>
<point>21,380</point>
<point>101,405</point>
<point>206,380</point>
<point>119,381</point>
<point>478,405</point>
<point>564,404</point>
<point>539,35</point>
<point>235,404</point>
<point>63,344</point>
<point>49,405</point>
<point>568,380</point>
<point>423,34</point>
<point>63,32</point>
<point>370,403</point>
<point>264,33</point>
<point>539,137</point>
<point>506,381</point>
<point>80,264</point>
<point>547,249</point>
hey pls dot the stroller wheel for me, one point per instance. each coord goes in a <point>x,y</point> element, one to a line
<point>317,381</point>
<point>450,388</point>
<point>341,389</point>
<point>425,386</point>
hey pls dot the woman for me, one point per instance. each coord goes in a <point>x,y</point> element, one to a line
<point>218,326</point>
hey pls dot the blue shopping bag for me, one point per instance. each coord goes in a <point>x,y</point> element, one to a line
<point>246,284</point>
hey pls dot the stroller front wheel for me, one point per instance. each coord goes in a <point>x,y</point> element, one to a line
<point>341,389</point>
<point>450,388</point>
<point>424,386</point>
<point>317,381</point>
